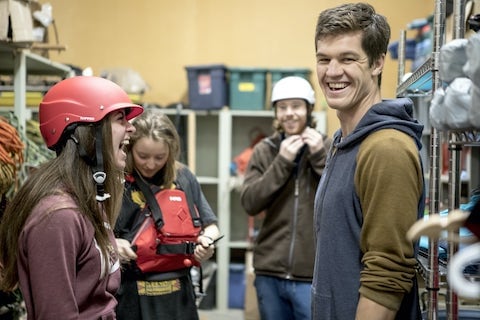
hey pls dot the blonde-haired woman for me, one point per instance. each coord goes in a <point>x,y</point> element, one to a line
<point>152,160</point>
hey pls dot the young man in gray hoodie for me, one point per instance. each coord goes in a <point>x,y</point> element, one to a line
<point>372,188</point>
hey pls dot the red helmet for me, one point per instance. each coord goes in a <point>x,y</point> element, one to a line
<point>81,99</point>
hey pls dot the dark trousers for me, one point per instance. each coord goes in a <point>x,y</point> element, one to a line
<point>158,301</point>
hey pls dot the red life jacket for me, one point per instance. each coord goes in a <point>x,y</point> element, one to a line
<point>167,238</point>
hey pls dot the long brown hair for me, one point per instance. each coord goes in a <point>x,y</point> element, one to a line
<point>67,173</point>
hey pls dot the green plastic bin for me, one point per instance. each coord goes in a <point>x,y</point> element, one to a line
<point>279,73</point>
<point>247,88</point>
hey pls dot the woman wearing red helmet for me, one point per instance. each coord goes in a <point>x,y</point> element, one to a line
<point>56,240</point>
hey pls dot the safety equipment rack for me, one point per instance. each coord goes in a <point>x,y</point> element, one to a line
<point>423,82</point>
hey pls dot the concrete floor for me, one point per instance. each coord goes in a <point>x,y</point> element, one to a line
<point>230,314</point>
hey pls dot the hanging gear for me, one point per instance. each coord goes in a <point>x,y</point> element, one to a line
<point>11,155</point>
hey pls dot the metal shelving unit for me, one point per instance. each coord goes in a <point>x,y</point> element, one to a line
<point>424,81</point>
<point>419,82</point>
<point>214,138</point>
<point>19,61</point>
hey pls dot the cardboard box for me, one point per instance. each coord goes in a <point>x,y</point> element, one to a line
<point>251,311</point>
<point>16,23</point>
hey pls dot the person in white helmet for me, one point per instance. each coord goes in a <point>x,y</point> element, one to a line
<point>281,180</point>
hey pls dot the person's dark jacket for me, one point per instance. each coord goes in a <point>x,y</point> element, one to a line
<point>284,191</point>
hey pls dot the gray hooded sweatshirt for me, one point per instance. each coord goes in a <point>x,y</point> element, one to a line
<point>370,194</point>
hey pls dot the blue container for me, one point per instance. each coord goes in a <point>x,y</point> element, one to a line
<point>236,292</point>
<point>207,86</point>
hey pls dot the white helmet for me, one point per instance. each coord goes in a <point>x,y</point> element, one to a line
<point>293,87</point>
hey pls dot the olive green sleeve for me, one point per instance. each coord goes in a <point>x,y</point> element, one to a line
<point>389,184</point>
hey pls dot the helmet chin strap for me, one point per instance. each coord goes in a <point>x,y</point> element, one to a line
<point>99,175</point>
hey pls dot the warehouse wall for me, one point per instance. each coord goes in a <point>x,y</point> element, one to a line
<point>158,38</point>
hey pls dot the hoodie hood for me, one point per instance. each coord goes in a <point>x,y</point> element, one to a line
<point>388,114</point>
